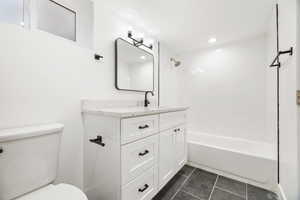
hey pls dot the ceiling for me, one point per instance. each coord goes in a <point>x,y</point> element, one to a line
<point>187,25</point>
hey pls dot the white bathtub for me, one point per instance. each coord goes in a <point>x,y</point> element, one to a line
<point>248,161</point>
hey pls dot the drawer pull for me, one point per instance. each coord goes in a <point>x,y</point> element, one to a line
<point>144,153</point>
<point>143,127</point>
<point>98,141</point>
<point>1,150</point>
<point>143,189</point>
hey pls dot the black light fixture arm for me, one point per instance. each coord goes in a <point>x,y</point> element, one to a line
<point>276,62</point>
<point>138,42</point>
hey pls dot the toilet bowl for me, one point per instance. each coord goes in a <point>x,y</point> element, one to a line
<point>29,162</point>
<point>55,192</point>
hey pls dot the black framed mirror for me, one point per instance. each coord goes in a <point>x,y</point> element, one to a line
<point>134,67</point>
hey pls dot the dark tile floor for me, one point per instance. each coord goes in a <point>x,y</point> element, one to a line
<point>196,184</point>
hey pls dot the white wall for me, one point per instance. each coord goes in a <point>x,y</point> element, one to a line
<point>226,88</point>
<point>271,78</point>
<point>171,79</point>
<point>289,136</point>
<point>44,77</point>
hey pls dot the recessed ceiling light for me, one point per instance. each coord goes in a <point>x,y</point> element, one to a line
<point>143,57</point>
<point>212,40</point>
<point>218,50</point>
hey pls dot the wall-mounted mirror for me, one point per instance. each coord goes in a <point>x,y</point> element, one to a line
<point>134,67</point>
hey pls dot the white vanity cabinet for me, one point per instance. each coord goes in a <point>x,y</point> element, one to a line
<point>172,145</point>
<point>131,155</point>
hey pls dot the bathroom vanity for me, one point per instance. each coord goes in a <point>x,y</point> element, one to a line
<point>132,152</point>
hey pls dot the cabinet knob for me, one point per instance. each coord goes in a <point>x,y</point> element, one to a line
<point>144,153</point>
<point>144,188</point>
<point>1,150</point>
<point>143,127</point>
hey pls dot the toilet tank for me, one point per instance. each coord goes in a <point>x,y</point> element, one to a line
<point>28,158</point>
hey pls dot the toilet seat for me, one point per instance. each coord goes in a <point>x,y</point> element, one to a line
<point>55,192</point>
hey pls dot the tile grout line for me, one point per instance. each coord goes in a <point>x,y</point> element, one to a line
<point>184,175</point>
<point>233,193</point>
<point>191,194</point>
<point>181,186</point>
<point>213,187</point>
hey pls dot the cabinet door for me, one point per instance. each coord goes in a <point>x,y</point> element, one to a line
<point>180,147</point>
<point>166,156</point>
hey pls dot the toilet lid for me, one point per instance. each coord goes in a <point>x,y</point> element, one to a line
<point>55,192</point>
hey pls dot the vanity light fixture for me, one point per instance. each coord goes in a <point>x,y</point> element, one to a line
<point>138,42</point>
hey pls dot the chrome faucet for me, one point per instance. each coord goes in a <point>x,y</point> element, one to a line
<point>147,102</point>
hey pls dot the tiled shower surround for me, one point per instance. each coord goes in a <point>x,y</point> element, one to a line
<point>195,184</point>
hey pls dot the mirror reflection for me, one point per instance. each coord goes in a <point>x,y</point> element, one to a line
<point>134,67</point>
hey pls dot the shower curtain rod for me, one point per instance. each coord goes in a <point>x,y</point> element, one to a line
<point>290,52</point>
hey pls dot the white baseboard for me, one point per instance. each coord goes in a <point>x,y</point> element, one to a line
<point>280,192</point>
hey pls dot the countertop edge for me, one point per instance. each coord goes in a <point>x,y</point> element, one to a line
<point>132,114</point>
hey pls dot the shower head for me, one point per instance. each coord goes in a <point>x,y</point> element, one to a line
<point>176,62</point>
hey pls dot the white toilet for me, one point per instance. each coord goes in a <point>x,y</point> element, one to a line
<point>28,165</point>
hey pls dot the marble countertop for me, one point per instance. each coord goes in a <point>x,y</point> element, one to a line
<point>125,112</point>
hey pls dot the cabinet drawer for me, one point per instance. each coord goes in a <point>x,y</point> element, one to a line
<point>138,157</point>
<point>172,119</point>
<point>142,188</point>
<point>136,128</point>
